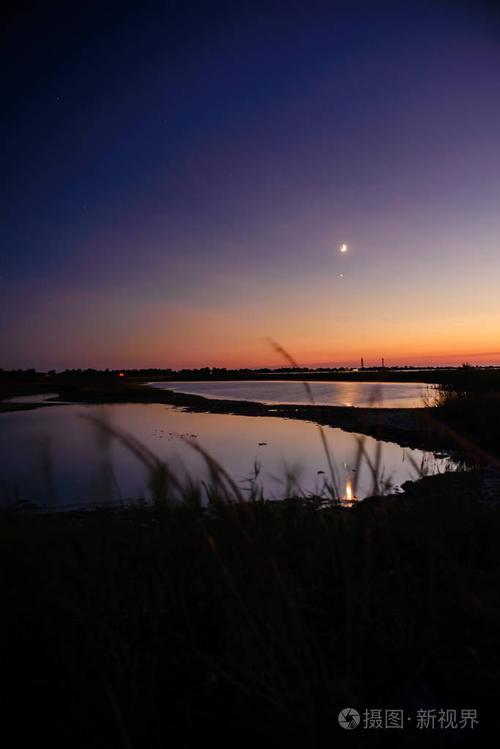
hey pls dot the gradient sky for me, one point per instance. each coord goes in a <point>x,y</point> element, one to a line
<point>177,179</point>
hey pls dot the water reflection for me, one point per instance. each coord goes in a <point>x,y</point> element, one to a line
<point>360,394</point>
<point>349,495</point>
<point>54,456</point>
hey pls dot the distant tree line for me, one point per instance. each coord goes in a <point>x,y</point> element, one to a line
<point>216,372</point>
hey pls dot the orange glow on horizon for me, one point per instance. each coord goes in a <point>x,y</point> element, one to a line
<point>320,320</point>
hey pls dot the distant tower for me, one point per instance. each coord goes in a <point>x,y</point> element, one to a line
<point>383,363</point>
<point>362,363</point>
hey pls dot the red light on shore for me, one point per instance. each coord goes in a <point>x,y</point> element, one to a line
<point>121,374</point>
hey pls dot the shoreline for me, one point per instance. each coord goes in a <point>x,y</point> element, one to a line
<point>408,427</point>
<point>184,599</point>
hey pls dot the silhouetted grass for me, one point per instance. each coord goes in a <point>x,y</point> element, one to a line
<point>249,623</point>
<point>470,405</point>
<point>252,622</point>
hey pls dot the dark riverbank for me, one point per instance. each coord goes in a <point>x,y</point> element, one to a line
<point>6,407</point>
<point>431,376</point>
<point>406,426</point>
<point>253,623</point>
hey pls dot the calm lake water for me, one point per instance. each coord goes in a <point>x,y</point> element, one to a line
<point>55,455</point>
<point>362,394</point>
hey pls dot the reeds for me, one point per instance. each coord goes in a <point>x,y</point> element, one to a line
<point>214,613</point>
<point>255,622</point>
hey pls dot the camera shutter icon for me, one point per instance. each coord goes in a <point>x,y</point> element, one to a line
<point>349,718</point>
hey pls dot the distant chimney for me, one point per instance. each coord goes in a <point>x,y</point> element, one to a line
<point>362,363</point>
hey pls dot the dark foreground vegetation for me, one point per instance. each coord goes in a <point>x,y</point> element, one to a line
<point>252,624</point>
<point>248,624</point>
<point>469,405</point>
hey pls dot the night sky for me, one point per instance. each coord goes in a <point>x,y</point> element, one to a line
<point>177,180</point>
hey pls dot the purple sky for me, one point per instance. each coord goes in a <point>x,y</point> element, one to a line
<point>179,182</point>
